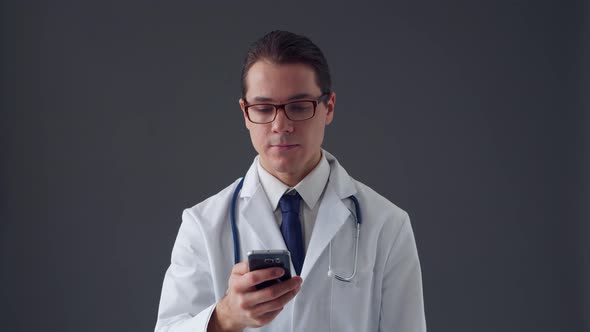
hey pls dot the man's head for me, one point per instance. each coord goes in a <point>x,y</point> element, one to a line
<point>280,68</point>
<point>283,47</point>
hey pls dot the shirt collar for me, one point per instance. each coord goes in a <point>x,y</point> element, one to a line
<point>310,187</point>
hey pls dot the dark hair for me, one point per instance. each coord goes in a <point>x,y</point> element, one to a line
<point>283,47</point>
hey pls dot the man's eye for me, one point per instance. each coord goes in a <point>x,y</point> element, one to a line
<point>262,109</point>
<point>301,107</point>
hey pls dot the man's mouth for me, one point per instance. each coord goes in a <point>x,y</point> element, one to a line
<point>284,147</point>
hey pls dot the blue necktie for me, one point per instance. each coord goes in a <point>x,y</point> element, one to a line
<point>291,228</point>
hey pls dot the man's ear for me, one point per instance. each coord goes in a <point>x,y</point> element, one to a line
<point>330,105</point>
<point>243,107</point>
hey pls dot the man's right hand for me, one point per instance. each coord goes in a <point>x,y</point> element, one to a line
<point>245,306</point>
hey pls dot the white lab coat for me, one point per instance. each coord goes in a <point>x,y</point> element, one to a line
<point>385,295</point>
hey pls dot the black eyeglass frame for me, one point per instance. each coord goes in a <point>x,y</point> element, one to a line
<point>279,106</point>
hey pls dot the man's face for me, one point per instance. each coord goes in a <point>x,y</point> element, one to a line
<point>288,149</point>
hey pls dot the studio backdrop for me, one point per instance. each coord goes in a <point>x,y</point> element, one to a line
<point>471,116</point>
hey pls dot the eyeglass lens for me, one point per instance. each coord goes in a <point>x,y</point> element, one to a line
<point>296,111</point>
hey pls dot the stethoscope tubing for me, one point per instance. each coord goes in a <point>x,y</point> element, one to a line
<point>234,227</point>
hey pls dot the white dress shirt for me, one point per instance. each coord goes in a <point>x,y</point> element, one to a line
<point>310,188</point>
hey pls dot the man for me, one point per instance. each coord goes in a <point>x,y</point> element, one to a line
<point>295,196</point>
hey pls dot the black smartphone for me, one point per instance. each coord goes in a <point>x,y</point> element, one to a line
<point>262,259</point>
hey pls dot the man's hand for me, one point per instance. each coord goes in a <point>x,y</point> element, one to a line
<point>245,306</point>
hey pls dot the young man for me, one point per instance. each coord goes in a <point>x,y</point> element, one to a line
<point>294,197</point>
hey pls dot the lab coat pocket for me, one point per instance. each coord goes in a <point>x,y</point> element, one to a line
<point>352,303</point>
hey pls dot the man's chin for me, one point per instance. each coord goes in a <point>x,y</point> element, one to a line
<point>283,168</point>
<point>280,164</point>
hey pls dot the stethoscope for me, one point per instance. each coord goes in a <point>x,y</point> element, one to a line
<point>357,216</point>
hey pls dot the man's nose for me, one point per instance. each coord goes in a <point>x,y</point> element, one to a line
<point>282,122</point>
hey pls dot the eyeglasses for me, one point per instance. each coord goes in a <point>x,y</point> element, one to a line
<point>299,110</point>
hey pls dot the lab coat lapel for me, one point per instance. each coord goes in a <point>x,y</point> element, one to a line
<point>257,213</point>
<point>332,214</point>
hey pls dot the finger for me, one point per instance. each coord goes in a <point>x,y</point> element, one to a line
<point>272,292</point>
<point>253,278</point>
<point>240,268</point>
<point>276,304</point>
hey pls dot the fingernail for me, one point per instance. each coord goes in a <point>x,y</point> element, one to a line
<point>279,272</point>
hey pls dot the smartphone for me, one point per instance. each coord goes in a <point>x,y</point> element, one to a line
<point>262,259</point>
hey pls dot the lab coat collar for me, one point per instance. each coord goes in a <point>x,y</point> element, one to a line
<point>251,181</point>
<point>340,180</point>
<point>342,183</point>
<point>257,212</point>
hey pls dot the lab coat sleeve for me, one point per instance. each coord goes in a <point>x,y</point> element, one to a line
<point>402,307</point>
<point>187,301</point>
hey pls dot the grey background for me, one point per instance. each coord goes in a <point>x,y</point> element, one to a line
<point>472,116</point>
